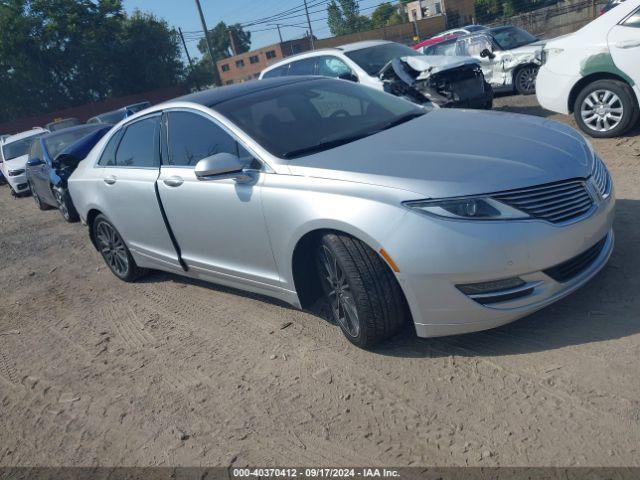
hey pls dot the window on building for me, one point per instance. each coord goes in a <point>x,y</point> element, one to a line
<point>239,63</point>
<point>270,54</point>
<point>254,59</point>
<point>224,67</point>
<point>438,8</point>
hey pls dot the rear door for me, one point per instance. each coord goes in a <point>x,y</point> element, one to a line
<point>624,45</point>
<point>219,223</point>
<point>130,165</point>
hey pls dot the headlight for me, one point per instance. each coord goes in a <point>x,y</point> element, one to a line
<point>15,173</point>
<point>468,208</point>
<point>548,52</point>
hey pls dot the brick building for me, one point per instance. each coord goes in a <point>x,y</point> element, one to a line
<point>248,66</point>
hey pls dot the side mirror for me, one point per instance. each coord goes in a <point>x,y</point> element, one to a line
<point>221,166</point>
<point>34,162</point>
<point>486,53</point>
<point>349,76</point>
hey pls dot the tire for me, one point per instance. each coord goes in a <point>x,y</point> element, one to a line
<point>114,251</point>
<point>525,79</point>
<point>591,120</point>
<point>36,198</point>
<point>364,285</point>
<point>65,205</point>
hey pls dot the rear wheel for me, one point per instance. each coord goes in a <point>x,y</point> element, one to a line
<point>525,80</point>
<point>114,251</point>
<point>65,205</point>
<point>605,108</point>
<point>364,295</point>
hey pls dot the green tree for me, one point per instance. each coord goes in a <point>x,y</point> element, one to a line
<point>60,53</point>
<point>387,14</point>
<point>344,17</point>
<point>220,40</point>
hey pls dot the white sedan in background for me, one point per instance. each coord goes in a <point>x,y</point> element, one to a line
<point>594,73</point>
<point>15,153</point>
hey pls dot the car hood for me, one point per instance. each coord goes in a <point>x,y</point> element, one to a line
<point>16,163</point>
<point>431,64</point>
<point>448,153</point>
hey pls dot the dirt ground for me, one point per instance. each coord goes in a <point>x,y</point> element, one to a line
<point>168,371</point>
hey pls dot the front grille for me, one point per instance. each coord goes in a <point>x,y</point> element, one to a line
<point>601,178</point>
<point>578,264</point>
<point>557,202</point>
<point>22,186</point>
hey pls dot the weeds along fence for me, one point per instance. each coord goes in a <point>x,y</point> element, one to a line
<point>552,21</point>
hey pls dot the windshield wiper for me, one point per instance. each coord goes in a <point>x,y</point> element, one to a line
<point>326,145</point>
<point>399,121</point>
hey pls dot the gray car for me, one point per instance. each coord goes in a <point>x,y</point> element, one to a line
<point>322,192</point>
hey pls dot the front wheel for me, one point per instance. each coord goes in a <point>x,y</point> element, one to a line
<point>364,295</point>
<point>36,198</point>
<point>65,205</point>
<point>525,80</point>
<point>115,252</point>
<point>605,108</point>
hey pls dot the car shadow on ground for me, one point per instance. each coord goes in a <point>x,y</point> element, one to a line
<point>605,309</point>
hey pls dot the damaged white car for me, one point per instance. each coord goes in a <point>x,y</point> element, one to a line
<point>397,69</point>
<point>510,57</point>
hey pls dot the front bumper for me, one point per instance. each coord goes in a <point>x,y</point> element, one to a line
<point>19,183</point>
<point>553,89</point>
<point>435,255</point>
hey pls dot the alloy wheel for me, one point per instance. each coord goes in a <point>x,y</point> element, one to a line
<point>62,205</point>
<point>112,248</point>
<point>527,79</point>
<point>602,110</point>
<point>338,292</point>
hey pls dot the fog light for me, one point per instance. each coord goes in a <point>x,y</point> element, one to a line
<point>490,287</point>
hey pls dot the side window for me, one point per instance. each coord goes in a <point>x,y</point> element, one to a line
<point>332,67</point>
<point>35,151</point>
<point>140,144</point>
<point>303,67</point>
<point>192,137</point>
<point>277,72</point>
<point>108,158</point>
<point>633,20</point>
<point>474,45</point>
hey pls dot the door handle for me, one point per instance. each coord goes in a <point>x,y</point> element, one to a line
<point>628,44</point>
<point>110,180</point>
<point>174,181</point>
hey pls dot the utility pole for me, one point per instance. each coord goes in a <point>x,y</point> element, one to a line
<point>279,34</point>
<point>232,42</point>
<point>306,10</point>
<point>184,44</point>
<point>206,33</point>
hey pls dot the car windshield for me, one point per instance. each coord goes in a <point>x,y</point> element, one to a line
<point>512,37</point>
<point>373,59</point>
<point>56,143</point>
<point>299,119</point>
<point>19,147</point>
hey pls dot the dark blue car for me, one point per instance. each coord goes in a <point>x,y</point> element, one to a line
<point>53,158</point>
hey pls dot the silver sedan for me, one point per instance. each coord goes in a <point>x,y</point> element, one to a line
<point>341,199</point>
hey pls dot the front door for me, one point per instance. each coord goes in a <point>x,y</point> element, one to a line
<point>218,224</point>
<point>624,45</point>
<point>129,168</point>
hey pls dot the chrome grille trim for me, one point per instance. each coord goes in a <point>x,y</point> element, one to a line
<point>601,177</point>
<point>556,203</point>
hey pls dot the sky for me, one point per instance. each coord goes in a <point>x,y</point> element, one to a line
<point>184,14</point>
